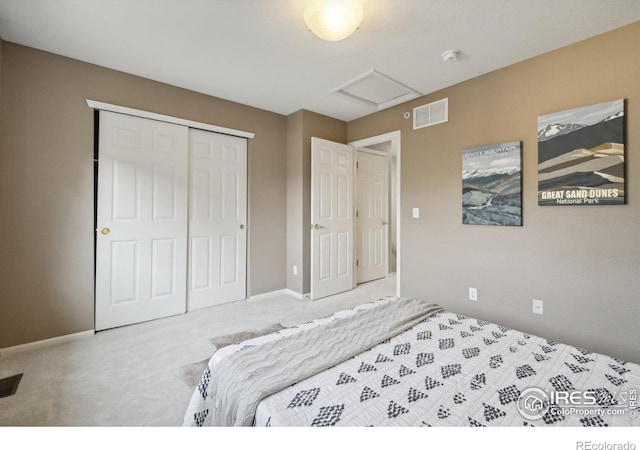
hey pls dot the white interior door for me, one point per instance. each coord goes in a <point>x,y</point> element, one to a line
<point>331,218</point>
<point>217,219</point>
<point>372,215</point>
<point>141,245</point>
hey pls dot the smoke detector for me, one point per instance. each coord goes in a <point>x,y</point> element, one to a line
<point>450,56</point>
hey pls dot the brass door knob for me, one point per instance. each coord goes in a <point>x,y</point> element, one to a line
<point>242,226</point>
<point>384,223</point>
<point>317,226</point>
<point>105,231</point>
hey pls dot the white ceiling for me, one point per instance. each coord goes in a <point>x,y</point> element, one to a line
<point>259,52</point>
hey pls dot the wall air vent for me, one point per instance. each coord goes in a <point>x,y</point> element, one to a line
<point>431,114</point>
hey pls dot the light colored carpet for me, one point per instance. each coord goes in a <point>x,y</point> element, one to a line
<point>142,375</point>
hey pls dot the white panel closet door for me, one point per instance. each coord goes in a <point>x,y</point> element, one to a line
<point>141,245</point>
<point>331,218</point>
<point>217,219</point>
<point>372,219</point>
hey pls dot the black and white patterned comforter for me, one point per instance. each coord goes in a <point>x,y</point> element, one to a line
<point>453,370</point>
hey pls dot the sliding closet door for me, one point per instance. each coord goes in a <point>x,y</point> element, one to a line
<point>217,219</point>
<point>141,244</point>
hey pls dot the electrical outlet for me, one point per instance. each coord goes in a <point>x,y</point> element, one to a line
<point>295,270</point>
<point>537,306</point>
<point>473,294</point>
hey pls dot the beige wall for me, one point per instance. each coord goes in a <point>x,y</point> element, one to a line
<point>1,47</point>
<point>295,221</point>
<point>46,185</point>
<point>583,262</point>
<point>302,126</point>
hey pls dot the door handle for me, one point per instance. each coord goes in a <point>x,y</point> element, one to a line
<point>317,226</point>
<point>384,222</point>
<point>105,231</point>
<point>242,226</point>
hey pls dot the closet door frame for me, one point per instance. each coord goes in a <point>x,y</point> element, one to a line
<point>101,106</point>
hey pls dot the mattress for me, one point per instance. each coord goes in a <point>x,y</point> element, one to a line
<point>449,370</point>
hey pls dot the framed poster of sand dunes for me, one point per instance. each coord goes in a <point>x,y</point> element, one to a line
<point>581,156</point>
<point>491,185</point>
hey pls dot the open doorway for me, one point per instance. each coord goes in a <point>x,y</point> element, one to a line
<point>391,145</point>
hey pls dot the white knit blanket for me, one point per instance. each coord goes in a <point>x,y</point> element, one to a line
<point>238,377</point>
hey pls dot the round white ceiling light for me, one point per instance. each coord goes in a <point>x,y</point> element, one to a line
<point>333,20</point>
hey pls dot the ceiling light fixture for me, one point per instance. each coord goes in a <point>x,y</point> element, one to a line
<point>333,20</point>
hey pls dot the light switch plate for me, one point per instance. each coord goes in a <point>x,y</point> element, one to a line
<point>416,213</point>
<point>537,306</point>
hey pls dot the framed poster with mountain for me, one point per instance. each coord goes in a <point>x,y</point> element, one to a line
<point>581,156</point>
<point>491,185</point>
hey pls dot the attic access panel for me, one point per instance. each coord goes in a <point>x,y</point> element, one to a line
<point>378,90</point>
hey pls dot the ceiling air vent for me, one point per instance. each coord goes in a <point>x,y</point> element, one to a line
<point>431,114</point>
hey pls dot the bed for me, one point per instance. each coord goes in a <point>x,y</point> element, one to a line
<point>407,362</point>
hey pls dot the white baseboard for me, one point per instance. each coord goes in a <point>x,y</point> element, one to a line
<point>267,295</point>
<point>277,293</point>
<point>298,295</point>
<point>4,352</point>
